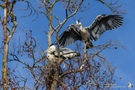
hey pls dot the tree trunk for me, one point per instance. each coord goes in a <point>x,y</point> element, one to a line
<point>5,56</point>
<point>55,81</point>
<point>4,67</point>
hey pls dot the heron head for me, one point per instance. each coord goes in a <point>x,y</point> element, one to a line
<point>51,49</point>
<point>78,23</point>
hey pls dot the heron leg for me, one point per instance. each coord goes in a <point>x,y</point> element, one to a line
<point>89,45</point>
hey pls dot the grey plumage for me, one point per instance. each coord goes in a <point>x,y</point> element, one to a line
<point>101,24</point>
<point>69,36</point>
<point>65,53</point>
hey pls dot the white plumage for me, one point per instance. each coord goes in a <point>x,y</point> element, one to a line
<point>65,53</point>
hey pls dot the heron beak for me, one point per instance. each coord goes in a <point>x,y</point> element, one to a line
<point>77,24</point>
<point>46,51</point>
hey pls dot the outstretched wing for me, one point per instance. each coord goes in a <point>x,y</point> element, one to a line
<point>70,35</point>
<point>102,23</point>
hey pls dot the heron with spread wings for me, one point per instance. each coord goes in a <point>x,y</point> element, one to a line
<point>101,24</point>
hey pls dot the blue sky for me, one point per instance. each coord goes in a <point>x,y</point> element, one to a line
<point>123,59</point>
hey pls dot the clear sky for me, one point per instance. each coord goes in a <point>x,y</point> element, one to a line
<point>123,59</point>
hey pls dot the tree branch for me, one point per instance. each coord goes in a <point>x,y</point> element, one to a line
<point>70,71</point>
<point>114,9</point>
<point>13,17</point>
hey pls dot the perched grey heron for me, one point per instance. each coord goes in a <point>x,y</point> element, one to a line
<point>65,53</point>
<point>101,24</point>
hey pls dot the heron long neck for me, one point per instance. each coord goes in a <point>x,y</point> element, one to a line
<point>81,28</point>
<point>83,31</point>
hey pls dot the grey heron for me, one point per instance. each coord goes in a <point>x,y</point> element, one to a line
<point>101,24</point>
<point>65,53</point>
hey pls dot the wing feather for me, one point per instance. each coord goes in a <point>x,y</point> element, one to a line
<point>69,36</point>
<point>66,53</point>
<point>103,23</point>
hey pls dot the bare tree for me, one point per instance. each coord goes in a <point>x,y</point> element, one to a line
<point>89,71</point>
<point>73,76</point>
<point>9,24</point>
<point>8,32</point>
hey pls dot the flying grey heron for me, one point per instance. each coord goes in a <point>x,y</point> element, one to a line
<point>101,24</point>
<point>65,53</point>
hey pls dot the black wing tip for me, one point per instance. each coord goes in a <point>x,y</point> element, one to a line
<point>117,20</point>
<point>117,16</point>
